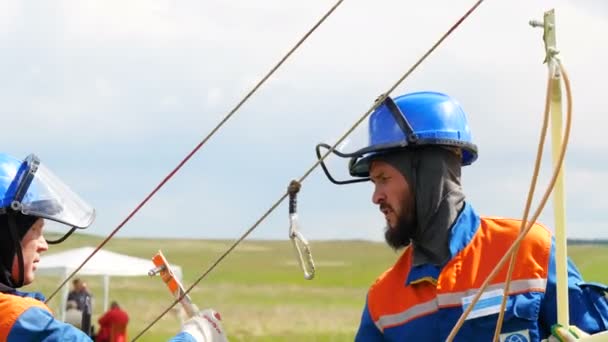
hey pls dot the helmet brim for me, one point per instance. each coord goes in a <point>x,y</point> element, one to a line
<point>361,160</point>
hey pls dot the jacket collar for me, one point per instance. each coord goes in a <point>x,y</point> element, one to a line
<point>9,290</point>
<point>464,228</point>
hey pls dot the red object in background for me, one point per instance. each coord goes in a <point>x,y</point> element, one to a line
<point>113,325</point>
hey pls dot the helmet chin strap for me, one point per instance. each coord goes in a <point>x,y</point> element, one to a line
<point>60,240</point>
<point>12,226</point>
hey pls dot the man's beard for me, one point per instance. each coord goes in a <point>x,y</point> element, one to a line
<point>404,231</point>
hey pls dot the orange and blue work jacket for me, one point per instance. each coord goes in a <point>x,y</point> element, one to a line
<point>424,302</point>
<point>25,317</point>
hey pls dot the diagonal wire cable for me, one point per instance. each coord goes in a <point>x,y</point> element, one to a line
<point>200,144</point>
<point>316,164</point>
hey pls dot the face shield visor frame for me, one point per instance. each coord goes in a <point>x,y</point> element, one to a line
<point>36,191</point>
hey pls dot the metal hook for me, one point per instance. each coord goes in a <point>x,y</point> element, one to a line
<point>300,244</point>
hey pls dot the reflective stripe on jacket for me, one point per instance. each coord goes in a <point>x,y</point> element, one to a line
<point>423,303</point>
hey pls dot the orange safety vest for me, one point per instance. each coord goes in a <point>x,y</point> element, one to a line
<point>12,307</point>
<point>424,302</point>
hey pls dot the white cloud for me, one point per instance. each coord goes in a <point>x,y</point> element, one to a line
<point>127,89</point>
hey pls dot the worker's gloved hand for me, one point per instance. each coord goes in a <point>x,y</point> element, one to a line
<point>206,327</point>
<point>560,333</point>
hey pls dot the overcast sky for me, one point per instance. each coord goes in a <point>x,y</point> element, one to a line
<point>111,95</point>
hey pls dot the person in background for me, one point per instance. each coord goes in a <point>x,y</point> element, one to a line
<point>113,325</point>
<point>79,293</point>
<point>73,316</point>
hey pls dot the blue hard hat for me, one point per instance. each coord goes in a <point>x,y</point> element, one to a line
<point>8,170</point>
<point>29,188</point>
<point>412,120</point>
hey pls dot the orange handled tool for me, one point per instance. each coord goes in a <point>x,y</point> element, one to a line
<point>163,268</point>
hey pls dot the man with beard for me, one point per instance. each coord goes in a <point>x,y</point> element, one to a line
<point>29,195</point>
<point>418,143</point>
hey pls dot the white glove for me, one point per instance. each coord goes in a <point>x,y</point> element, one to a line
<point>560,333</point>
<point>206,327</point>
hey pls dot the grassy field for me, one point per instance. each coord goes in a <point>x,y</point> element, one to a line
<point>259,288</point>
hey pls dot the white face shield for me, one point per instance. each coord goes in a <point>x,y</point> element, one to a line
<point>36,191</point>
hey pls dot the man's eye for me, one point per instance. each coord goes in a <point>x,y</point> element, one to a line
<point>380,179</point>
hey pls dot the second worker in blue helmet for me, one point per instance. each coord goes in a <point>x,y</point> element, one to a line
<point>30,194</point>
<point>418,143</point>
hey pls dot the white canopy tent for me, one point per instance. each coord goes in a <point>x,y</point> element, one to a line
<point>103,263</point>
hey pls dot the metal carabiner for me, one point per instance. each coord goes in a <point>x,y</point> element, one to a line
<point>300,243</point>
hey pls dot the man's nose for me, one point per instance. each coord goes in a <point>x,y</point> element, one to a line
<point>378,196</point>
<point>43,246</point>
